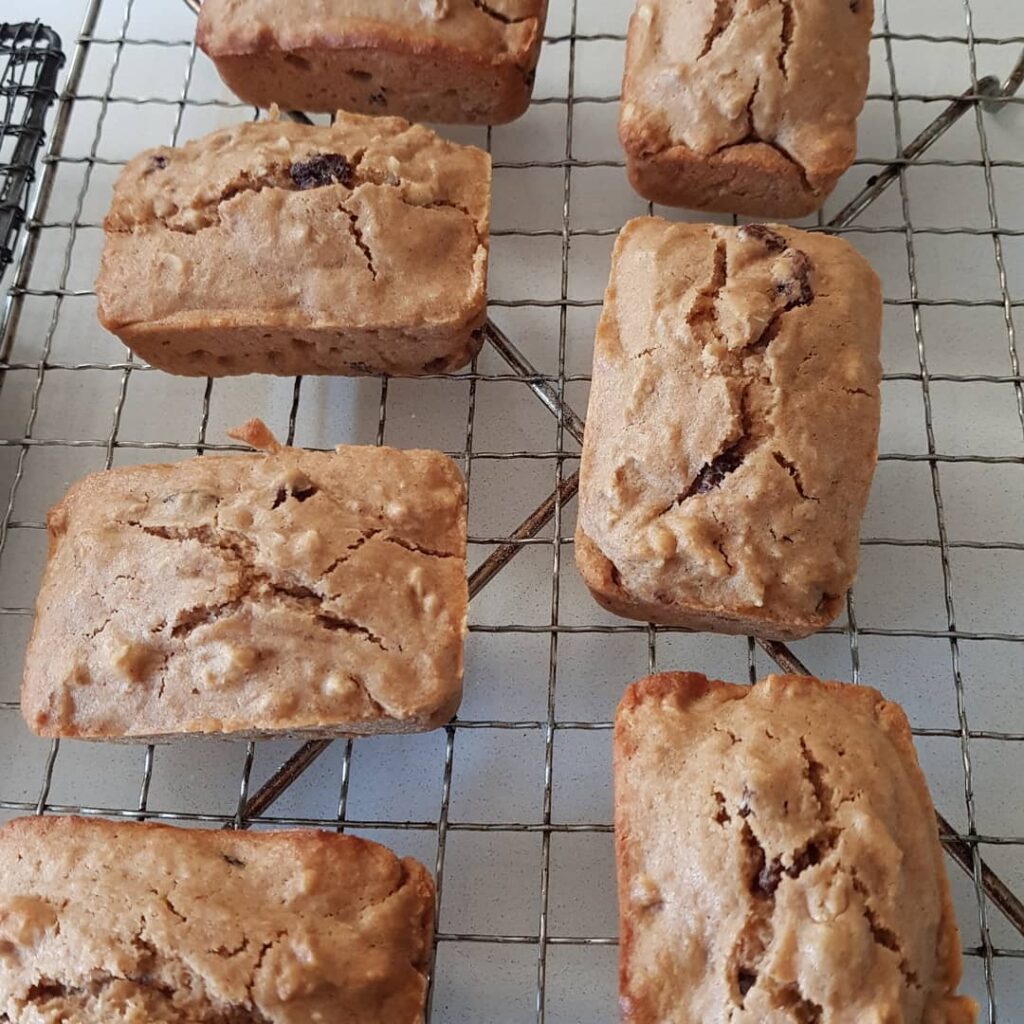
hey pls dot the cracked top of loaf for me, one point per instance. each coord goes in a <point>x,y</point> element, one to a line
<point>366,224</point>
<point>733,426</point>
<point>778,858</point>
<point>711,74</point>
<point>290,591</point>
<point>492,30</point>
<point>110,923</point>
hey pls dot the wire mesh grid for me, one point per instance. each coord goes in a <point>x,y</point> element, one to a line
<point>30,57</point>
<point>511,803</point>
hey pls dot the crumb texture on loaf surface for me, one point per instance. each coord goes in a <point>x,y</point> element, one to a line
<point>716,75</point>
<point>778,859</point>
<point>733,427</point>
<point>290,591</point>
<point>370,227</point>
<point>111,923</point>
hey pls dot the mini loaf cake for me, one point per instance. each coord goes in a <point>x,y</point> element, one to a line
<point>745,106</point>
<point>284,248</point>
<point>733,428</point>
<point>460,61</point>
<point>104,922</point>
<point>778,859</point>
<point>287,592</point>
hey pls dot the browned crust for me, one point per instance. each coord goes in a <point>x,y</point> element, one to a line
<point>688,688</point>
<point>304,842</point>
<point>301,840</point>
<point>509,84</point>
<point>171,344</point>
<point>256,434</point>
<point>599,574</point>
<point>285,323</point>
<point>395,55</point>
<point>385,38</point>
<point>390,727</point>
<point>752,178</point>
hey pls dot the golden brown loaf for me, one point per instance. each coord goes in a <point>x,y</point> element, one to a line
<point>743,106</point>
<point>733,427</point>
<point>298,592</point>
<point>778,859</point>
<point>460,61</point>
<point>104,923</point>
<point>285,248</point>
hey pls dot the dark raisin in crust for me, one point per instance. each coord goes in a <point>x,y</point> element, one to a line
<point>322,169</point>
<point>713,473</point>
<point>773,241</point>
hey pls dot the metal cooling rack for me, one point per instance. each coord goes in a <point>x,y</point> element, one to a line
<point>31,58</point>
<point>511,802</point>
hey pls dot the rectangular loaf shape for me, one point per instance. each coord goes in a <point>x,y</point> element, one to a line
<point>286,592</point>
<point>103,922</point>
<point>778,858</point>
<point>733,427</point>
<point>276,247</point>
<point>455,61</point>
<point>743,106</point>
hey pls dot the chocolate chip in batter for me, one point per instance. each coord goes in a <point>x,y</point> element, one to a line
<point>322,169</point>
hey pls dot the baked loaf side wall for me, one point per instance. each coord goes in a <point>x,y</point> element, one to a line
<point>375,81</point>
<point>326,248</point>
<point>453,61</point>
<point>778,858</point>
<point>744,107</point>
<point>198,344</point>
<point>733,427</point>
<point>288,592</point>
<point>104,923</point>
<point>752,179</point>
